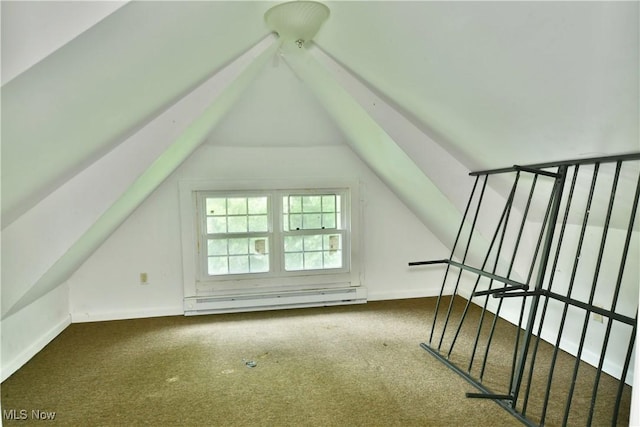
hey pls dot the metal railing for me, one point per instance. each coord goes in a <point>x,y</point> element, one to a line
<point>557,262</point>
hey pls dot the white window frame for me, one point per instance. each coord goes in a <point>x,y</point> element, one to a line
<point>344,231</point>
<point>202,237</point>
<point>197,284</point>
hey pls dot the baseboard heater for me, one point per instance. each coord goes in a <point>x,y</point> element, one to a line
<point>274,301</point>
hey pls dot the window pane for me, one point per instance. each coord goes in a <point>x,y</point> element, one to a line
<point>218,265</point>
<point>312,260</point>
<point>238,246</point>
<point>216,224</point>
<point>295,221</point>
<point>238,224</point>
<point>257,205</point>
<point>259,263</point>
<point>216,206</point>
<point>328,203</point>
<point>217,247</point>
<point>295,204</point>
<point>258,223</point>
<point>311,221</point>
<point>329,220</point>
<point>250,219</point>
<point>238,264</point>
<point>313,243</point>
<point>318,212</point>
<point>332,259</point>
<point>242,259</point>
<point>237,206</point>
<point>317,252</point>
<point>293,261</point>
<point>311,204</point>
<point>293,244</point>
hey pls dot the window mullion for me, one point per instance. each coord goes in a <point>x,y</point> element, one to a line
<point>277,227</point>
<point>308,205</point>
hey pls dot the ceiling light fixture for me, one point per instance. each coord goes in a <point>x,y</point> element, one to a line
<point>296,21</point>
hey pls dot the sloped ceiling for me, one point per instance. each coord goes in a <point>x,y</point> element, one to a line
<point>79,102</point>
<point>33,30</point>
<point>492,83</point>
<point>495,83</point>
<point>500,83</point>
<point>277,109</point>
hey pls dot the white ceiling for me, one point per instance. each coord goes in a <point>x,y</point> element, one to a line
<point>88,96</point>
<point>501,82</point>
<point>494,83</point>
<point>33,30</point>
<point>277,109</point>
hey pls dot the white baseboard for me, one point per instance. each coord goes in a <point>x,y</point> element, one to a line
<point>571,347</point>
<point>12,366</point>
<point>588,356</point>
<point>401,294</point>
<point>123,315</point>
<point>211,304</point>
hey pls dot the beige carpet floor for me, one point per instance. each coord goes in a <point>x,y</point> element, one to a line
<point>334,366</point>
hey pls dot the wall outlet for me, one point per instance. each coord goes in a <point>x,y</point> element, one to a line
<point>144,279</point>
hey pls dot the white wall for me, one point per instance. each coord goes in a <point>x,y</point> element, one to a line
<point>107,285</point>
<point>626,304</point>
<point>27,331</point>
<point>33,30</point>
<point>608,275</point>
<point>76,218</point>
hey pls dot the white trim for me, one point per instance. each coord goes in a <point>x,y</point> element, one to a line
<point>189,220</point>
<point>566,344</point>
<point>591,358</point>
<point>9,368</point>
<point>124,315</point>
<point>402,294</point>
<point>276,233</point>
<point>274,300</point>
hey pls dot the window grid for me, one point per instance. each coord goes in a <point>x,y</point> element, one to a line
<point>239,231</point>
<point>311,255</point>
<point>311,212</point>
<point>236,235</point>
<point>238,215</point>
<point>253,258</point>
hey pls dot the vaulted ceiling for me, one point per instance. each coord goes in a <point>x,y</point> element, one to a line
<point>491,83</point>
<point>495,83</point>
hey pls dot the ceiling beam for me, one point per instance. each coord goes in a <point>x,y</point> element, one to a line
<point>17,296</point>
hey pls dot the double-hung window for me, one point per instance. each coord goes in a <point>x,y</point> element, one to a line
<point>237,234</point>
<point>273,237</point>
<point>312,231</point>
